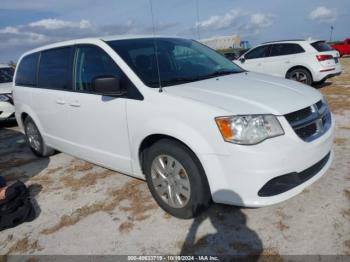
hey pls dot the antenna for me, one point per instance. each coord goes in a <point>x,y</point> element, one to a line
<point>197,11</point>
<point>155,47</point>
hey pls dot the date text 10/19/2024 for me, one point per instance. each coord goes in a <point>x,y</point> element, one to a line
<point>173,258</point>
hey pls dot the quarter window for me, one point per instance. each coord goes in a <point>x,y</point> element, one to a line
<point>259,52</point>
<point>54,69</point>
<point>26,72</point>
<point>92,62</point>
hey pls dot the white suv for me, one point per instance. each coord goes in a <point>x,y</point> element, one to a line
<point>7,110</point>
<point>176,113</point>
<point>304,61</point>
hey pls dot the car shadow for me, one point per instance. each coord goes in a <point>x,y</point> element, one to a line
<point>322,85</point>
<point>233,238</point>
<point>17,162</point>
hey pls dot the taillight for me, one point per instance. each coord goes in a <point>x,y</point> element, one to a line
<point>324,57</point>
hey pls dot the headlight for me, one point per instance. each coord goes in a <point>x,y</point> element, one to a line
<point>249,129</point>
<point>4,98</point>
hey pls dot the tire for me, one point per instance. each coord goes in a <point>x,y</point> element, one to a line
<point>35,140</point>
<point>300,75</point>
<point>184,176</point>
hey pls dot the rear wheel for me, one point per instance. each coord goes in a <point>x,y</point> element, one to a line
<point>35,140</point>
<point>176,179</point>
<point>301,75</point>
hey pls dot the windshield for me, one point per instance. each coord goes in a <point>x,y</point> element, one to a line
<point>180,60</point>
<point>6,74</point>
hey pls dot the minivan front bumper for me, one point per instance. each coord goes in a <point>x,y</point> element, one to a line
<point>240,177</point>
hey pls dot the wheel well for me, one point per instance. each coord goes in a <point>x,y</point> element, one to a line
<point>23,117</point>
<point>149,141</point>
<point>299,67</point>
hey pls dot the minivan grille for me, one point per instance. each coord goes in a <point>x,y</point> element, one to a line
<point>311,122</point>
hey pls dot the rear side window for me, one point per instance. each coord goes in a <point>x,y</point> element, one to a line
<point>286,49</point>
<point>259,52</point>
<point>26,72</point>
<point>55,69</point>
<point>322,46</point>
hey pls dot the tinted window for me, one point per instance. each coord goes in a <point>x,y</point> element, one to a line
<point>92,62</point>
<point>285,49</point>
<point>321,46</point>
<point>259,52</point>
<point>54,69</point>
<point>6,74</point>
<point>26,72</point>
<point>180,60</point>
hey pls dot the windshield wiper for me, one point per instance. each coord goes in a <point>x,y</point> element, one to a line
<point>219,73</point>
<point>181,80</point>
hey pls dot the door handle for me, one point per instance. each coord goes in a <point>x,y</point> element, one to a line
<point>75,104</point>
<point>60,102</point>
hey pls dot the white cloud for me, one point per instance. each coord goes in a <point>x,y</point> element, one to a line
<point>220,22</point>
<point>261,20</point>
<point>238,21</point>
<point>323,14</point>
<point>21,38</point>
<point>54,24</point>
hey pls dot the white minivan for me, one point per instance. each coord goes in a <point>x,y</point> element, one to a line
<point>172,111</point>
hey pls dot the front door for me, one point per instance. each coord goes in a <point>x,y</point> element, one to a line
<point>98,129</point>
<point>254,60</point>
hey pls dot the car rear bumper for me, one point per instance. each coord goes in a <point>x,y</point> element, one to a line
<point>324,73</point>
<point>242,178</point>
<point>7,111</point>
<point>330,76</point>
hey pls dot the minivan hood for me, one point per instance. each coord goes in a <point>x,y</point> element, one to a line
<point>249,93</point>
<point>5,88</point>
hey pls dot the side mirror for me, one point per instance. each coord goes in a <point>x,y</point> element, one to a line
<point>242,59</point>
<point>108,86</point>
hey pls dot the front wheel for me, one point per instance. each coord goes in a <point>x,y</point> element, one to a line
<point>35,140</point>
<point>300,75</point>
<point>176,179</point>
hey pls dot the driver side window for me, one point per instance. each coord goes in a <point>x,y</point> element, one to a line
<point>92,62</point>
<point>259,52</point>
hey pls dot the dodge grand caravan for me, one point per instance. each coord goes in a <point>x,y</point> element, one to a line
<point>194,125</point>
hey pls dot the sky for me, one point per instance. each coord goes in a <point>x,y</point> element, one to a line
<point>25,24</point>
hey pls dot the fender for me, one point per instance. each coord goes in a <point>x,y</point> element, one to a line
<point>180,131</point>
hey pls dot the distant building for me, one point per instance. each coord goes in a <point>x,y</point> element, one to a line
<point>222,42</point>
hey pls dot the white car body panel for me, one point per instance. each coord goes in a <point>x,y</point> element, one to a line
<point>110,133</point>
<point>6,108</point>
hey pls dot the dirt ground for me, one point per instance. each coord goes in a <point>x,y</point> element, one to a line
<point>86,209</point>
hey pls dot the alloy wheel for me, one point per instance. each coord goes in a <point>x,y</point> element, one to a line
<point>299,76</point>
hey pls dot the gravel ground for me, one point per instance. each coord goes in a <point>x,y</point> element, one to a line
<point>86,209</point>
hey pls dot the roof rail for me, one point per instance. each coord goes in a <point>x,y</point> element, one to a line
<point>287,40</point>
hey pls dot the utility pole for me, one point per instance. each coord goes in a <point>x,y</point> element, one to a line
<point>197,12</point>
<point>331,36</point>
